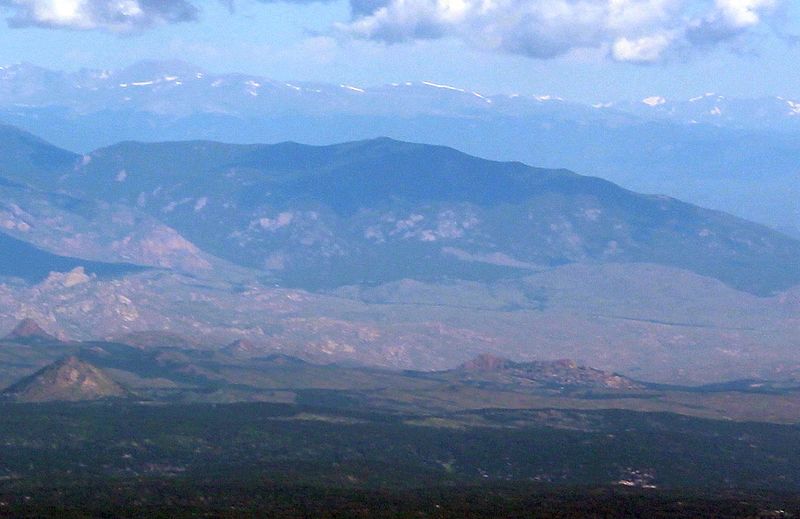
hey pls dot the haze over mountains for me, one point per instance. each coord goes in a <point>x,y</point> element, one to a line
<point>392,254</point>
<point>387,292</point>
<point>737,155</point>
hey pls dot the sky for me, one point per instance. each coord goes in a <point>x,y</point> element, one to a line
<point>584,50</point>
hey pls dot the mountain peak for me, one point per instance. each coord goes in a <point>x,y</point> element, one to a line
<point>28,330</point>
<point>67,380</point>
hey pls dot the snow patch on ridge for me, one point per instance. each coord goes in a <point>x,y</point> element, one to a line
<point>654,101</point>
<point>446,87</point>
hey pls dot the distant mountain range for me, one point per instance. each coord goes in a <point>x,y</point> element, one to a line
<point>381,211</point>
<point>738,155</point>
<point>175,88</point>
<point>387,253</point>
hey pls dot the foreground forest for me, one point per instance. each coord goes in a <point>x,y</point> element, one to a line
<point>299,460</point>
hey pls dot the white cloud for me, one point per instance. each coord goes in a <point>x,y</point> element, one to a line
<point>743,13</point>
<point>647,49</point>
<point>639,31</point>
<point>728,19</point>
<point>112,15</point>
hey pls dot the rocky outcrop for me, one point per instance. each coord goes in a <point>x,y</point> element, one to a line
<point>564,373</point>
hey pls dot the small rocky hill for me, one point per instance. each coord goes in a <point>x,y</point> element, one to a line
<point>28,331</point>
<point>68,380</point>
<point>556,374</point>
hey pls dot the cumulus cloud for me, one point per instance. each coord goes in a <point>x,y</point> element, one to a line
<point>646,49</point>
<point>639,31</point>
<point>635,31</point>
<point>112,15</point>
<point>728,19</point>
<point>742,13</point>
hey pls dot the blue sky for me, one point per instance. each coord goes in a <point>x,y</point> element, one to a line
<point>590,50</point>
